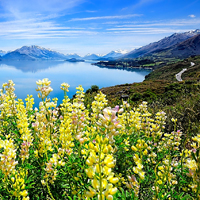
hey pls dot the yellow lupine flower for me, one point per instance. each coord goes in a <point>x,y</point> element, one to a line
<point>133,148</point>
<point>83,151</point>
<point>95,183</point>
<point>139,166</point>
<point>91,146</point>
<point>88,162</point>
<point>90,172</point>
<point>135,170</point>
<point>89,194</point>
<point>24,193</point>
<point>113,190</point>
<point>76,178</point>
<point>141,174</point>
<point>109,197</point>
<point>106,170</point>
<point>104,183</point>
<point>110,164</point>
<point>97,168</point>
<point>25,198</point>
<point>105,150</point>
<point>114,180</point>
<point>145,152</point>
<point>109,161</point>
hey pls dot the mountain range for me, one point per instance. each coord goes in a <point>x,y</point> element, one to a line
<point>178,45</point>
<point>185,49</point>
<point>33,53</point>
<point>2,53</point>
<point>167,46</point>
<point>39,53</point>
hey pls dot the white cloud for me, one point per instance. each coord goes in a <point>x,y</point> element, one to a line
<point>106,17</point>
<point>141,3</point>
<point>161,23</point>
<point>23,6</point>
<point>91,11</point>
<point>192,16</point>
<point>152,27</point>
<point>145,30</point>
<point>35,29</point>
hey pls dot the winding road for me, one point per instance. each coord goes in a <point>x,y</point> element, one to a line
<point>178,76</point>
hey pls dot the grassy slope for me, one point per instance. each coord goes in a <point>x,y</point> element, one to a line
<point>168,72</point>
<point>162,92</point>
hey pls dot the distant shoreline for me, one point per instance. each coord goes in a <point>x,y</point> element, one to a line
<point>107,64</point>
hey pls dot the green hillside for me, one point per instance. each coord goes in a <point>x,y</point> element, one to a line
<point>168,72</point>
<point>163,92</point>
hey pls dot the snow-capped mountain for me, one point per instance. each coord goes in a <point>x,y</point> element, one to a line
<point>91,57</point>
<point>185,49</point>
<point>39,53</point>
<point>14,55</point>
<point>110,56</point>
<point>115,54</point>
<point>72,55</point>
<point>2,53</point>
<point>164,43</point>
<point>34,53</point>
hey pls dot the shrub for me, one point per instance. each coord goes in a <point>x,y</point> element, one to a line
<point>94,88</point>
<point>136,97</point>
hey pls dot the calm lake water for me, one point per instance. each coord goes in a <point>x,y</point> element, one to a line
<point>26,73</point>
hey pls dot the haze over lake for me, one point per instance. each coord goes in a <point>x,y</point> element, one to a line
<point>26,73</point>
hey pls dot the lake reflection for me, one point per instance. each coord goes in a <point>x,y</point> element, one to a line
<point>26,73</point>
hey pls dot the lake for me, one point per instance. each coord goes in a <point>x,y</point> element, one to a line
<point>26,73</point>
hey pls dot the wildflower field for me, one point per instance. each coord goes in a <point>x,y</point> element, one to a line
<point>74,151</point>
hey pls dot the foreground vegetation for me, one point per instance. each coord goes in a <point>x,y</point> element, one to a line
<point>92,151</point>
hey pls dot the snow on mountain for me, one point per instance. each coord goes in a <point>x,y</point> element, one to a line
<point>115,54</point>
<point>166,42</point>
<point>34,52</point>
<point>2,53</point>
<point>91,57</point>
<point>40,52</point>
<point>14,55</point>
<point>72,55</point>
<point>111,55</point>
<point>185,49</point>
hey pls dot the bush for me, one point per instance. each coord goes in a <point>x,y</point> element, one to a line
<point>149,96</point>
<point>94,88</point>
<point>136,97</point>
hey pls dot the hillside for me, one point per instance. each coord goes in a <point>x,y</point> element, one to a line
<point>189,47</point>
<point>17,56</point>
<point>168,72</point>
<point>162,44</point>
<point>163,92</point>
<point>158,56</point>
<point>169,50</point>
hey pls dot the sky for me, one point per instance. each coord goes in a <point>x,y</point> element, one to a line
<point>93,26</point>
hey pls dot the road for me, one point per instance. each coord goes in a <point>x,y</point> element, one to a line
<point>178,76</point>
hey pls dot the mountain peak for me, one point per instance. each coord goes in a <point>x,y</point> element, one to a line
<point>2,53</point>
<point>90,56</point>
<point>37,52</point>
<point>32,47</point>
<point>162,44</point>
<point>195,31</point>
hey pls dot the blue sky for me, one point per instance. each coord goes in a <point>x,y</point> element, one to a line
<point>93,26</point>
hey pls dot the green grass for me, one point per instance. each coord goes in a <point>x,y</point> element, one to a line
<point>162,92</point>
